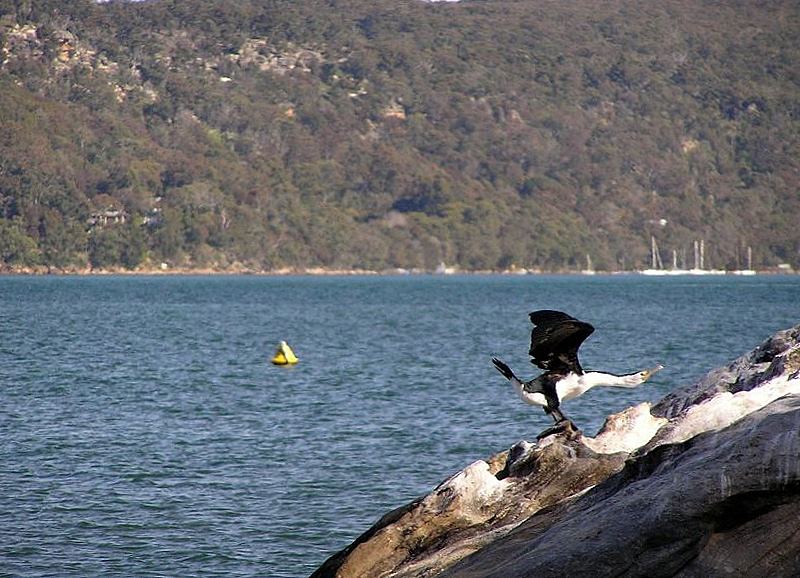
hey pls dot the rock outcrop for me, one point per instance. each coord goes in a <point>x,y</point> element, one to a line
<point>706,482</point>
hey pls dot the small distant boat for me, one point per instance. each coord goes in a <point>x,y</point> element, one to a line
<point>656,265</point>
<point>699,261</point>
<point>749,270</point>
<point>589,268</point>
<point>284,355</point>
<point>443,269</point>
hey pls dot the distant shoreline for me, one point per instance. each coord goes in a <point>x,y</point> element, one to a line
<point>325,272</point>
<point>284,272</point>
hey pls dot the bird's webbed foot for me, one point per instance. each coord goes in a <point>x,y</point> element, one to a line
<point>563,427</point>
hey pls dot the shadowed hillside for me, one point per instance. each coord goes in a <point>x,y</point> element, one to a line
<point>266,134</point>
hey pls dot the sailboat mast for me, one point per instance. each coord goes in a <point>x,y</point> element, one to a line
<point>653,263</point>
<point>702,254</point>
<point>655,256</point>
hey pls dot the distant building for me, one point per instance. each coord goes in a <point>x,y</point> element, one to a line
<point>108,216</point>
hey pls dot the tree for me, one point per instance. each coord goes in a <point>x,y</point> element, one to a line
<point>63,242</point>
<point>105,247</point>
<point>16,248</point>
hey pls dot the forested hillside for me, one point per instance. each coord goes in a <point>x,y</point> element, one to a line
<point>269,134</point>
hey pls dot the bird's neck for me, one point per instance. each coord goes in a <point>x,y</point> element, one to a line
<point>594,378</point>
<point>573,385</point>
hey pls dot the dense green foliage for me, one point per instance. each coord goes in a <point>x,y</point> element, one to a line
<point>392,133</point>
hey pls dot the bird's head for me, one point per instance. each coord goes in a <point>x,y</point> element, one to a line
<point>648,373</point>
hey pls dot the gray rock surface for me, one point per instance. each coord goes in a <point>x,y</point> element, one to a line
<point>709,506</point>
<point>704,483</point>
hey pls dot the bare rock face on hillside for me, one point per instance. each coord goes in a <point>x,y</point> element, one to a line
<point>704,483</point>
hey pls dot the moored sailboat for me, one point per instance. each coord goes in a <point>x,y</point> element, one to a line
<point>749,270</point>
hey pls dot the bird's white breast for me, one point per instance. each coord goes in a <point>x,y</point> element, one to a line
<point>568,387</point>
<point>572,386</point>
<point>527,396</point>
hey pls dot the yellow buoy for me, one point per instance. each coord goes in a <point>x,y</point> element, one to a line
<point>284,355</point>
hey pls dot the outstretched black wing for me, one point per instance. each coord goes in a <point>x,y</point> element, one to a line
<point>555,340</point>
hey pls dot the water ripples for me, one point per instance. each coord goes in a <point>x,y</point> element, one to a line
<point>143,431</point>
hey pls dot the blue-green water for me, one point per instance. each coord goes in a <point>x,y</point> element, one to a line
<point>143,431</point>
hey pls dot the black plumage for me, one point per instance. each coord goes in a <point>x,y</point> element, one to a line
<point>555,340</point>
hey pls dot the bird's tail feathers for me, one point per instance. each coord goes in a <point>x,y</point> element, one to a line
<point>503,368</point>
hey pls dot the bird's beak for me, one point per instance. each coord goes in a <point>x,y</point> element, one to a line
<point>648,373</point>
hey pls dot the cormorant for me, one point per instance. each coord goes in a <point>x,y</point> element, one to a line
<point>555,340</point>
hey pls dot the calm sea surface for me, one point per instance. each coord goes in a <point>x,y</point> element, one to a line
<point>143,431</point>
